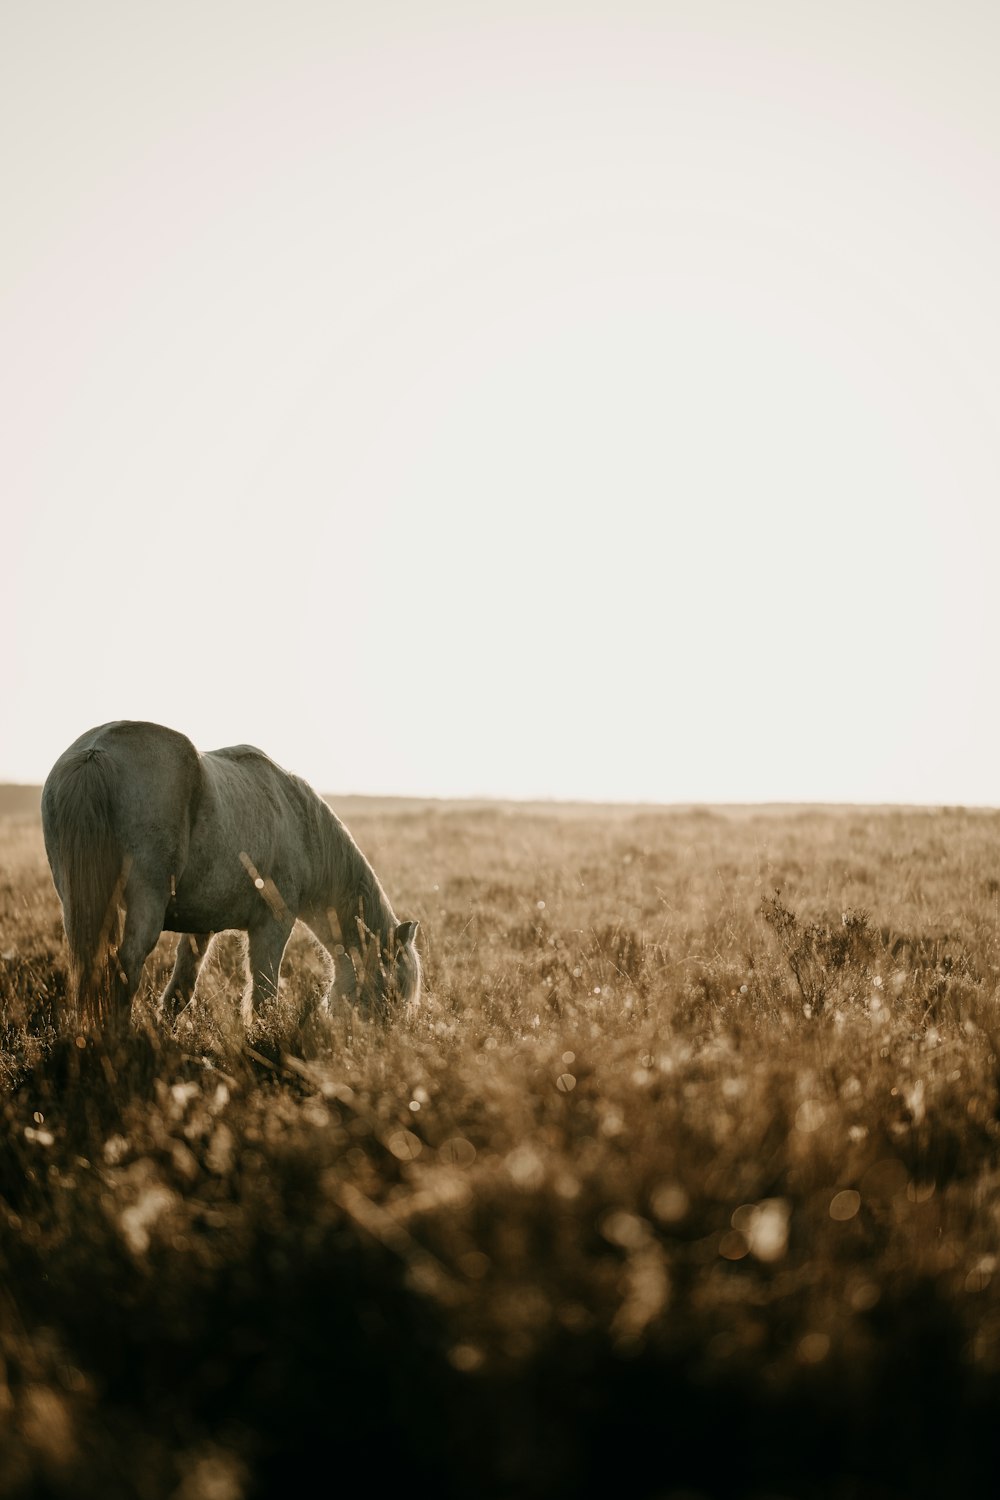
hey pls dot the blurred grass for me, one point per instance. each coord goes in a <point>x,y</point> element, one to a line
<point>682,1179</point>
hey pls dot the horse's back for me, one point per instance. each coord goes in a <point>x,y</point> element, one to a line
<point>253,817</point>
<point>251,796</point>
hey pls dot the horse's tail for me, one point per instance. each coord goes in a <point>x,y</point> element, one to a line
<point>80,827</point>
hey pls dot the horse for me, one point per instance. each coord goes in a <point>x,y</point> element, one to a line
<point>145,835</point>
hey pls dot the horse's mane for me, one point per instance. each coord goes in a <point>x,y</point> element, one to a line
<point>342,867</point>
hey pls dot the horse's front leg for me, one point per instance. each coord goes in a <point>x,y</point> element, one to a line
<point>266,942</point>
<point>343,982</point>
<point>191,951</point>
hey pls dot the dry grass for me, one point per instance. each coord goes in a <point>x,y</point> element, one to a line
<point>671,1186</point>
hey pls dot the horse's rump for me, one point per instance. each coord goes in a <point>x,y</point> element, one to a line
<point>116,804</point>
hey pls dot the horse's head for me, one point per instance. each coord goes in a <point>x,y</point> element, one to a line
<point>404,965</point>
<point>382,980</point>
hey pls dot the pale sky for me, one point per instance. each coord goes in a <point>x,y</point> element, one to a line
<point>579,400</point>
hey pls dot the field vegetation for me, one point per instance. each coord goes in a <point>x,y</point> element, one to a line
<point>683,1180</point>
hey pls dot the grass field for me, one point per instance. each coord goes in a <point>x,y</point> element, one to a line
<point>683,1180</point>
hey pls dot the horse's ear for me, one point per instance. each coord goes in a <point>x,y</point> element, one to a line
<point>406,932</point>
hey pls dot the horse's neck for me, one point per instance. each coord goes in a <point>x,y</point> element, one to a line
<point>354,891</point>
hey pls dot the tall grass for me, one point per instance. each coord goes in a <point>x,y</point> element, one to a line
<point>682,1179</point>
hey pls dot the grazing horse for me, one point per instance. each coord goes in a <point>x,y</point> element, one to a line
<point>145,835</point>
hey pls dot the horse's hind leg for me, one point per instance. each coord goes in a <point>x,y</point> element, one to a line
<point>266,944</point>
<point>144,913</point>
<point>191,951</point>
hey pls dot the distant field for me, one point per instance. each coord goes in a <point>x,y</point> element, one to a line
<point>683,1180</point>
<point>19,801</point>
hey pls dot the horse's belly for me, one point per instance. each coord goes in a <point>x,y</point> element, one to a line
<point>206,910</point>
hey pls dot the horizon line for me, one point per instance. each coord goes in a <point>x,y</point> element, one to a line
<point>675,804</point>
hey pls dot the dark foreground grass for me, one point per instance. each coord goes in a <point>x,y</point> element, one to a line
<point>683,1180</point>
